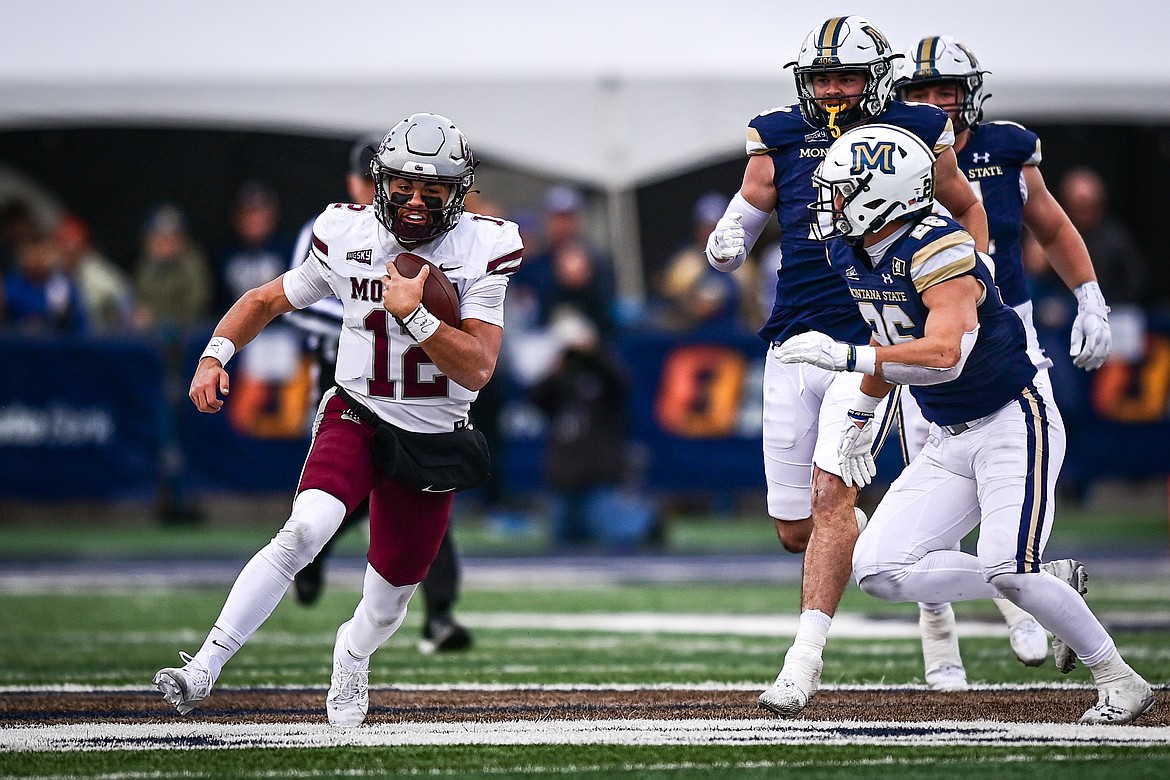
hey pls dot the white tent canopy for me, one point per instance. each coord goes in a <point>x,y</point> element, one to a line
<point>610,92</point>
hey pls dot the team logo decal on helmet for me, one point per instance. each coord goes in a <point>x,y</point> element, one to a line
<point>423,147</point>
<point>841,44</point>
<point>870,176</point>
<point>941,59</point>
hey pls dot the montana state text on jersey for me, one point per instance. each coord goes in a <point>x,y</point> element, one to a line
<point>808,294</point>
<point>377,360</point>
<point>992,161</point>
<point>936,249</point>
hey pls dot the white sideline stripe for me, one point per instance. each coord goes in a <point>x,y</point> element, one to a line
<point>845,626</point>
<point>195,735</point>
<point>566,687</point>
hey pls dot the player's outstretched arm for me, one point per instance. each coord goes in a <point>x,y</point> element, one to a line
<point>953,192</point>
<point>1065,251</point>
<point>246,318</point>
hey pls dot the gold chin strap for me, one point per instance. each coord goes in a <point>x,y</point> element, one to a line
<point>834,109</point>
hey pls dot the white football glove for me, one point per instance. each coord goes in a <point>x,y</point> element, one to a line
<point>725,245</point>
<point>1091,337</point>
<point>855,451</point>
<point>817,349</point>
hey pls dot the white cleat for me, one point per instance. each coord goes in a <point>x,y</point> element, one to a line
<point>184,687</point>
<point>1121,702</point>
<point>349,687</point>
<point>794,688</point>
<point>1073,572</point>
<point>947,678</point>
<point>1029,642</point>
<point>940,649</point>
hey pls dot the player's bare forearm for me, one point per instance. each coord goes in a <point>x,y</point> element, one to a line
<point>467,355</point>
<point>242,322</point>
<point>875,387</point>
<point>1064,249</point>
<point>953,312</point>
<point>253,311</point>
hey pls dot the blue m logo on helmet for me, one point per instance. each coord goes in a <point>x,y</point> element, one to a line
<point>870,156</point>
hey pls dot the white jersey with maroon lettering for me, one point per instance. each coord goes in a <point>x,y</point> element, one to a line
<point>378,362</point>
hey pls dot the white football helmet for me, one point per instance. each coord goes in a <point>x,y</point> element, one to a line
<point>844,43</point>
<point>870,176</point>
<point>940,58</point>
<point>423,147</point>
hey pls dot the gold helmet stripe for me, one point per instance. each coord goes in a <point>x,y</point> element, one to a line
<point>827,41</point>
<point>925,58</point>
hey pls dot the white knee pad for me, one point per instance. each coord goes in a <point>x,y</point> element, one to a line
<point>884,585</point>
<point>384,604</point>
<point>1011,584</point>
<point>315,517</point>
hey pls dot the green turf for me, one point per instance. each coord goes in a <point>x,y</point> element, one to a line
<point>119,637</point>
<point>603,761</point>
<point>1075,530</point>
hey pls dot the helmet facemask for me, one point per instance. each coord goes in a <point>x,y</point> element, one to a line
<point>844,44</point>
<point>422,148</point>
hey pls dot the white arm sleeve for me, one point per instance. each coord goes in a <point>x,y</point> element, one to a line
<point>754,221</point>
<point>905,374</point>
<point>306,283</point>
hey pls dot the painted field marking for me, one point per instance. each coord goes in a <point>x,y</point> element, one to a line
<point>196,735</point>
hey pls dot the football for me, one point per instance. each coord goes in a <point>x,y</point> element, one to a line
<point>439,295</point>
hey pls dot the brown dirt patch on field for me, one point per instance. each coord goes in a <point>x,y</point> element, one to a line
<point>396,706</point>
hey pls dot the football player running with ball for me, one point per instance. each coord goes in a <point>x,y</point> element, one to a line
<point>996,443</point>
<point>843,79</point>
<point>396,428</point>
<point>1001,160</point>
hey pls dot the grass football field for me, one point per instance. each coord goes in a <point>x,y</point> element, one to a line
<point>71,637</point>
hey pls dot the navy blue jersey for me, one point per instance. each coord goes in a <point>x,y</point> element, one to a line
<point>889,296</point>
<point>809,296</point>
<point>993,160</point>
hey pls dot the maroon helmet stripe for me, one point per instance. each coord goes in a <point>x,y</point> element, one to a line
<point>319,245</point>
<point>508,264</point>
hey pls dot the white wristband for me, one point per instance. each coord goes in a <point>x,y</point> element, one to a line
<point>1089,297</point>
<point>863,360</point>
<point>421,324</point>
<point>865,403</point>
<point>221,348</point>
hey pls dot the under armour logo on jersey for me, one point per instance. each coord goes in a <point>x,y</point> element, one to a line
<point>978,157</point>
<point>888,278</point>
<point>851,272</point>
<point>351,415</point>
<point>363,256</point>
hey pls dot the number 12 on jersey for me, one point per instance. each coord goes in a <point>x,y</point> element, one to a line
<point>417,380</point>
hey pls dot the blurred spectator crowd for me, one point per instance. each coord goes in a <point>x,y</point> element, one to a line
<point>563,316</point>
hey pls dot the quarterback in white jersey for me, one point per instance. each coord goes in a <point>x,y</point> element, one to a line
<point>396,430</point>
<point>378,362</point>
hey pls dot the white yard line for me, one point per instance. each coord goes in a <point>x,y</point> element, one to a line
<point>196,735</point>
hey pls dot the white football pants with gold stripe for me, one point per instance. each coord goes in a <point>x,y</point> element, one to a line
<point>1000,475</point>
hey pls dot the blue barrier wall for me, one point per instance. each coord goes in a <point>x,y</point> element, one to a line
<point>89,418</point>
<point>79,419</point>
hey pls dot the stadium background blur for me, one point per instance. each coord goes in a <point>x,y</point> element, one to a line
<point>108,113</point>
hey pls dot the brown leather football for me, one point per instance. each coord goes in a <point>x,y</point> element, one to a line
<point>439,295</point>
